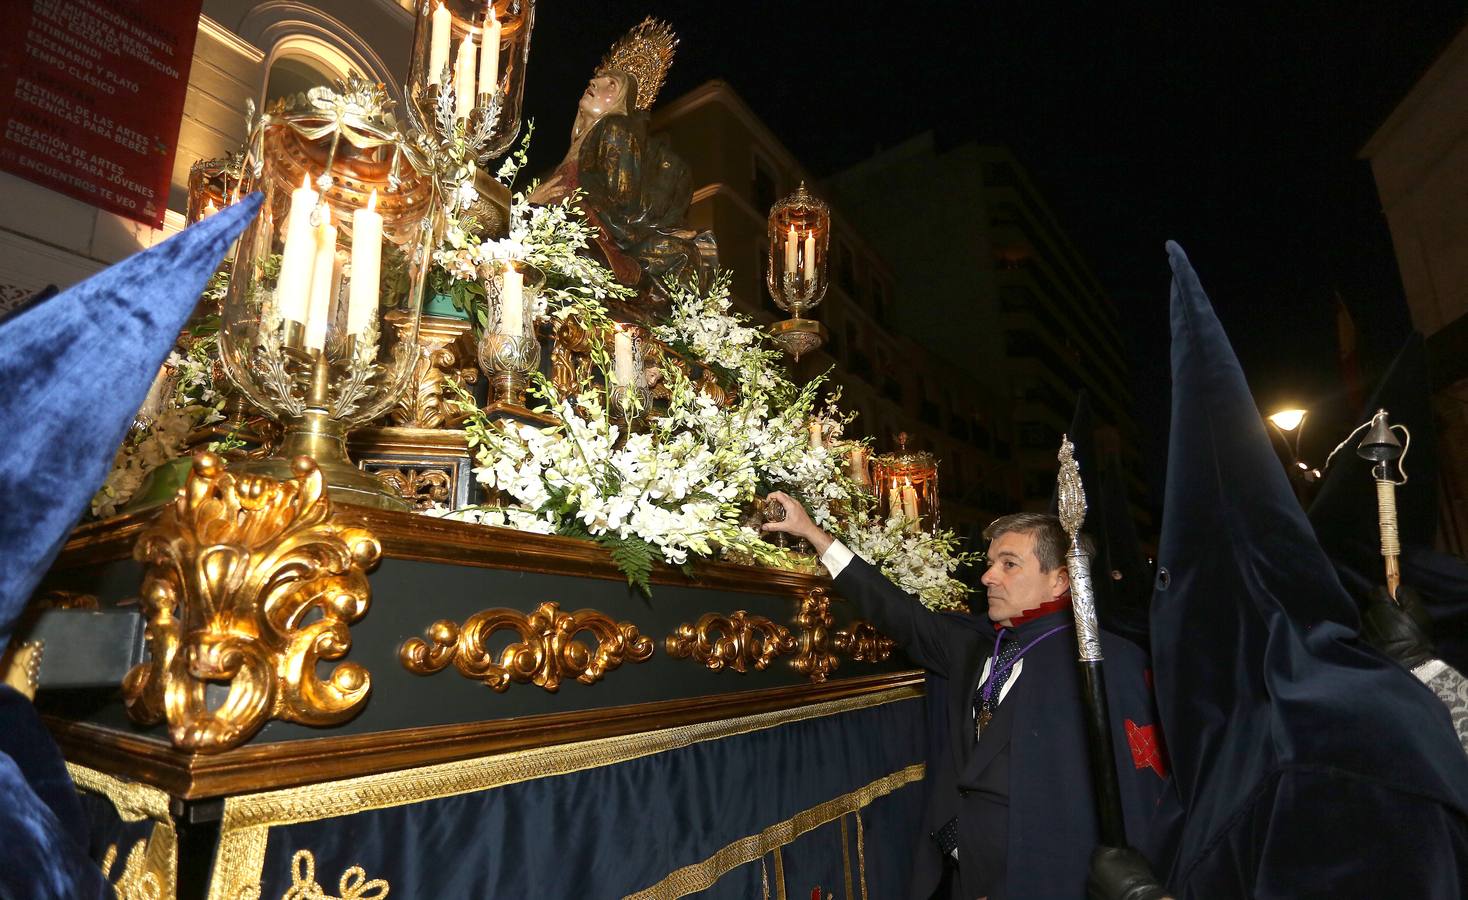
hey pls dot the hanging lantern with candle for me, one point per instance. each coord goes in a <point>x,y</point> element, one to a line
<point>510,350</point>
<point>799,237</point>
<point>321,320</point>
<point>907,486</point>
<point>213,185</point>
<point>466,81</point>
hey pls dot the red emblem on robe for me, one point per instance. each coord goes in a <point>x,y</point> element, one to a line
<point>1146,754</point>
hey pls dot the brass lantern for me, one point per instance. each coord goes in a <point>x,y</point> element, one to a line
<point>213,185</point>
<point>907,486</point>
<point>799,241</point>
<point>320,323</point>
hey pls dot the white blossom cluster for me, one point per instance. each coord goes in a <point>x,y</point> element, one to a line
<point>919,562</point>
<point>665,487</point>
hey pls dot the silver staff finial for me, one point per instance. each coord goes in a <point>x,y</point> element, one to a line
<point>1072,492</point>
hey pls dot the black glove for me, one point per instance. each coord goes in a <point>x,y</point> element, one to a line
<point>1401,629</point>
<point>1121,873</point>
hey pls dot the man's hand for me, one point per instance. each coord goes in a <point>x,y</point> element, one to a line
<point>1398,629</point>
<point>797,522</point>
<point>1121,873</point>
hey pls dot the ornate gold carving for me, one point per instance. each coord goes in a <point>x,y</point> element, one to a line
<point>422,488</point>
<point>547,650</point>
<point>353,884</point>
<point>738,641</point>
<point>814,658</point>
<point>645,53</point>
<point>235,569</point>
<point>445,355</point>
<point>20,666</point>
<point>861,641</point>
<point>570,357</point>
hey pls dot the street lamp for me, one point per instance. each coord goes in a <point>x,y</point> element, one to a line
<point>1290,423</point>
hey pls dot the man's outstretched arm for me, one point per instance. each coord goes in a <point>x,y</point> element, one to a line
<point>930,642</point>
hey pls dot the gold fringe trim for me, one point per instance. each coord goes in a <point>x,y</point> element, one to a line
<point>701,876</point>
<point>779,875</point>
<point>150,871</point>
<point>861,855</point>
<point>245,828</point>
<point>846,856</point>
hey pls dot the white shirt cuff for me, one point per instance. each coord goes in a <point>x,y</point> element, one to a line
<point>836,558</point>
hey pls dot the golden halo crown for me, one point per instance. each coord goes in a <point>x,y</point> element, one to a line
<point>645,53</point>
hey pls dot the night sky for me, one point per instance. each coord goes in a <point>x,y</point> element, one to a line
<point>1232,130</point>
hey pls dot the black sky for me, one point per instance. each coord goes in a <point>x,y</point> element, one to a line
<point>1233,129</point>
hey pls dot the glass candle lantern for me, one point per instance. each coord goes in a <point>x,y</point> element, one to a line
<point>906,484</point>
<point>320,323</point>
<point>465,53</point>
<point>510,350</point>
<point>213,185</point>
<point>799,241</point>
<point>627,388</point>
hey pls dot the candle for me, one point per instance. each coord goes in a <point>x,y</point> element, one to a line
<point>323,270</point>
<point>464,79</point>
<point>622,372</point>
<point>808,265</point>
<point>894,500</point>
<point>910,506</point>
<point>366,266</point>
<point>438,47</point>
<point>816,441</point>
<point>512,304</point>
<point>790,251</point>
<point>293,284</point>
<point>489,60</point>
<point>209,209</point>
<point>859,465</point>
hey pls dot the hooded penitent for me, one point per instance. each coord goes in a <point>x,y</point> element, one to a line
<point>1307,763</point>
<point>75,367</point>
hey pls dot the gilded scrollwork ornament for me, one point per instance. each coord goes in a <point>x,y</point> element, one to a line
<point>547,651</point>
<point>738,641</point>
<point>423,487</point>
<point>446,356</point>
<point>861,641</point>
<point>815,657</point>
<point>249,582</point>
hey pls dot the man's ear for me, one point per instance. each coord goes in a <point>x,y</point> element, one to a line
<point>1061,585</point>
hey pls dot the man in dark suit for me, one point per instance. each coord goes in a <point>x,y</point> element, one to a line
<point>1010,810</point>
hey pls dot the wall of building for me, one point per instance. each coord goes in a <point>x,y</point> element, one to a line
<point>1419,157</point>
<point>47,238</point>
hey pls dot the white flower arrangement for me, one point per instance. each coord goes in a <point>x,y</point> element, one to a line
<point>919,562</point>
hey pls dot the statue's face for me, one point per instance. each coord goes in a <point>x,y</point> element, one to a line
<point>603,95</point>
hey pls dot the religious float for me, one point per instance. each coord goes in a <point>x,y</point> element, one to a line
<point>433,564</point>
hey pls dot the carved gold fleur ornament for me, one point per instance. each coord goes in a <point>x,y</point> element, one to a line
<point>547,652</point>
<point>738,641</point>
<point>249,582</point>
<point>861,641</point>
<point>815,658</point>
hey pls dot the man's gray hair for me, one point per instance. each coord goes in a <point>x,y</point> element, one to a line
<point>1051,541</point>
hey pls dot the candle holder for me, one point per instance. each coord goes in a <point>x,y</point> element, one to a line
<point>487,109</point>
<point>510,350</point>
<point>907,485</point>
<point>320,323</point>
<point>799,241</point>
<point>628,394</point>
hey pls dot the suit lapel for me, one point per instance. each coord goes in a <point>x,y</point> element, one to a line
<point>996,736</point>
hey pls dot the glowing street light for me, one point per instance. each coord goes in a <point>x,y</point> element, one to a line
<point>1287,420</point>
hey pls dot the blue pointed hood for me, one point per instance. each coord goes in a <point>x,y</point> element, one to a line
<point>76,367</point>
<point>1258,667</point>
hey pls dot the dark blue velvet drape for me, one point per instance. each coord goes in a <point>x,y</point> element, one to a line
<point>621,828</point>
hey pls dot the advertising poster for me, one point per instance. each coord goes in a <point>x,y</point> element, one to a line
<point>91,95</point>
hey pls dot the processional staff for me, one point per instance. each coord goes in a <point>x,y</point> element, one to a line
<point>1381,448</point>
<point>1072,496</point>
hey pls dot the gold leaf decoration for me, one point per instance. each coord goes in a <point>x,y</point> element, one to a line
<point>861,641</point>
<point>249,582</point>
<point>737,641</point>
<point>547,651</point>
<point>814,657</point>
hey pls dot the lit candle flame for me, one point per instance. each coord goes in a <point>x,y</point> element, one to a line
<point>372,200</point>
